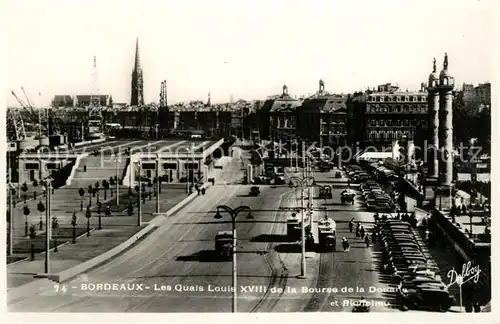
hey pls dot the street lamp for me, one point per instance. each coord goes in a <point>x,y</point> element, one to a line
<point>234,213</point>
<point>157,183</point>
<point>139,207</point>
<point>470,219</point>
<point>117,182</point>
<point>48,233</point>
<point>302,182</point>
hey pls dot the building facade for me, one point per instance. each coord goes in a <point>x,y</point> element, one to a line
<point>393,115</point>
<point>278,118</point>
<point>323,119</point>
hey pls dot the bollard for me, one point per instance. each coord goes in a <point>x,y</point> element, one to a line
<point>32,252</point>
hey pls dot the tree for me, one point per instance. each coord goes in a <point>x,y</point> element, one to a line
<point>90,190</point>
<point>81,192</point>
<point>55,226</point>
<point>41,209</point>
<point>73,223</point>
<point>112,183</point>
<point>105,185</point>
<point>88,215</point>
<point>99,206</point>
<point>26,212</point>
<point>35,185</point>
<point>24,188</point>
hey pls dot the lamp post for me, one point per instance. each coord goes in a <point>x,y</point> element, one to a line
<point>234,213</point>
<point>48,233</point>
<point>186,166</point>
<point>470,221</point>
<point>139,207</point>
<point>192,164</point>
<point>301,183</point>
<point>10,218</point>
<point>157,183</point>
<point>117,181</point>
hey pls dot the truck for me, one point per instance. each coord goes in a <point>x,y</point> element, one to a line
<point>327,234</point>
<point>224,245</point>
<point>293,227</point>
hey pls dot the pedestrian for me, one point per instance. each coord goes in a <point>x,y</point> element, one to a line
<point>351,225</point>
<point>357,231</point>
<point>374,236</point>
<point>203,191</point>
<point>348,183</point>
<point>345,244</point>
<point>477,308</point>
<point>367,240</point>
<point>84,168</point>
<point>362,231</point>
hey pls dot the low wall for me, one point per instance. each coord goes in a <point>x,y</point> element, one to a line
<point>97,141</point>
<point>81,268</point>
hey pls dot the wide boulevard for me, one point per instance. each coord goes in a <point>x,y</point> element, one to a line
<point>174,269</point>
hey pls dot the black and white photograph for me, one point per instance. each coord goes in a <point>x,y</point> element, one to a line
<point>166,157</point>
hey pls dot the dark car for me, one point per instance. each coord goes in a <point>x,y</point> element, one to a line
<point>254,191</point>
<point>427,298</point>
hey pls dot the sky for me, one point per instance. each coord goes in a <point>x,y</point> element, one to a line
<point>243,49</point>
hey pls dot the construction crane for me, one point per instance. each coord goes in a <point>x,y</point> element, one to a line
<point>34,113</point>
<point>17,124</point>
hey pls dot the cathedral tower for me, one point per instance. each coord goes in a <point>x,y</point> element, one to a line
<point>137,93</point>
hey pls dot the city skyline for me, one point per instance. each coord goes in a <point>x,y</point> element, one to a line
<point>246,52</point>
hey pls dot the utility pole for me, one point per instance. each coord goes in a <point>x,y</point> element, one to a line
<point>11,216</point>
<point>157,183</point>
<point>139,209</point>
<point>48,233</point>
<point>117,181</point>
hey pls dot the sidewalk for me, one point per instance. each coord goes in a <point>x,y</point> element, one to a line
<point>115,230</point>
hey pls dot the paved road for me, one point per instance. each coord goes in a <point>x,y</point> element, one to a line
<point>180,252</point>
<point>354,274</point>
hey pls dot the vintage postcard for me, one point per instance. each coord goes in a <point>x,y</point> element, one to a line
<point>248,157</point>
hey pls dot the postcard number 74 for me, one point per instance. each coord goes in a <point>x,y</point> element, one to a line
<point>60,288</point>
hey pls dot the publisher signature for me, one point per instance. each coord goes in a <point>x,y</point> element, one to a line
<point>468,273</point>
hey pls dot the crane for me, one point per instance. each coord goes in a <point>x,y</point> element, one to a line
<point>17,120</point>
<point>33,113</point>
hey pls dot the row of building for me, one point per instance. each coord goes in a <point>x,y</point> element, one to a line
<point>375,117</point>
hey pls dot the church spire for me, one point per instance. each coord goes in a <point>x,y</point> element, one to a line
<point>137,63</point>
<point>137,94</point>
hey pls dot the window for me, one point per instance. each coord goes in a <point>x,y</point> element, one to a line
<point>191,165</point>
<point>171,166</point>
<point>31,166</point>
<point>148,166</point>
<point>411,98</point>
<point>405,122</point>
<point>52,166</point>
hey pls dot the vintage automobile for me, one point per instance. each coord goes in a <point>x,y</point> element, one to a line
<point>254,191</point>
<point>347,196</point>
<point>224,244</point>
